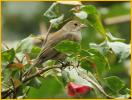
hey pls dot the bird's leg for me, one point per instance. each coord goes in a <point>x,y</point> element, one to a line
<point>78,63</point>
<point>73,65</point>
<point>38,70</point>
<point>64,64</point>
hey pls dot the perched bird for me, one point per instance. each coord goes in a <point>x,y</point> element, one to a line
<point>70,31</point>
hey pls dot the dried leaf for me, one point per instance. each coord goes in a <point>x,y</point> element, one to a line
<point>16,65</point>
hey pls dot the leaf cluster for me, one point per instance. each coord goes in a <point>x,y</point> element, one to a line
<point>87,66</point>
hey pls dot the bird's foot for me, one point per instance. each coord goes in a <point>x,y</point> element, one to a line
<point>64,64</point>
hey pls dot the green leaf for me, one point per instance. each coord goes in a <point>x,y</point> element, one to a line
<point>35,51</point>
<point>125,93</point>
<point>15,74</point>
<point>53,11</point>
<point>69,47</point>
<point>124,96</point>
<point>20,55</point>
<point>93,19</point>
<point>102,65</point>
<point>114,83</point>
<point>6,75</point>
<point>95,22</point>
<point>25,45</point>
<point>86,65</point>
<point>89,9</point>
<point>71,75</point>
<point>85,53</point>
<point>56,21</point>
<point>95,59</point>
<point>113,39</point>
<point>49,88</point>
<point>8,56</point>
<point>122,50</point>
<point>102,47</point>
<point>36,83</point>
<point>86,61</point>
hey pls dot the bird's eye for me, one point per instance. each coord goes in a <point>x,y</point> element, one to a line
<point>75,24</point>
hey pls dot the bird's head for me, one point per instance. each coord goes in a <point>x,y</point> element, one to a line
<point>73,26</point>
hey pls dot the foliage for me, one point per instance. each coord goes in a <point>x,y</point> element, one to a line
<point>86,75</point>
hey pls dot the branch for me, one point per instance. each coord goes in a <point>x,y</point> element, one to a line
<point>9,91</point>
<point>117,19</point>
<point>37,74</point>
<point>47,34</point>
<point>14,89</point>
<point>44,70</point>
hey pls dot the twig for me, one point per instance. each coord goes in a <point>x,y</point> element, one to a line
<point>14,89</point>
<point>27,91</point>
<point>47,34</point>
<point>21,73</point>
<point>33,76</point>
<point>78,63</point>
<point>23,58</point>
<point>8,92</point>
<point>117,20</point>
<point>38,73</point>
<point>5,45</point>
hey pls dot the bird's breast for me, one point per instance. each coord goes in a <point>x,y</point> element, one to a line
<point>76,36</point>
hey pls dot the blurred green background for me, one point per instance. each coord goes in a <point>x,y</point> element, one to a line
<point>20,19</point>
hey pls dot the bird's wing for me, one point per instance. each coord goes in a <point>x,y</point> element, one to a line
<point>48,52</point>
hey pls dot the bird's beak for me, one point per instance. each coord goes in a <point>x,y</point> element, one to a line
<point>83,26</point>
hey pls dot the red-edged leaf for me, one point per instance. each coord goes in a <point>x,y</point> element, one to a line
<point>16,65</point>
<point>74,89</point>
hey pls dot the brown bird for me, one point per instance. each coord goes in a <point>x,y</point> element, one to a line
<point>70,31</point>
